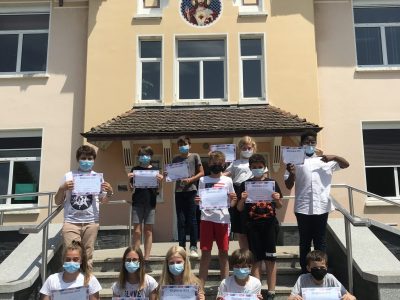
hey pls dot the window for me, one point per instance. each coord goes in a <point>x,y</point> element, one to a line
<point>201,69</point>
<point>252,64</point>
<point>151,3</point>
<point>377,31</point>
<point>150,68</point>
<point>19,167</point>
<point>382,161</point>
<point>23,43</point>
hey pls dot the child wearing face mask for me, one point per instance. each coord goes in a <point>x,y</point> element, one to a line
<point>177,271</point>
<point>144,204</point>
<point>262,224</point>
<point>132,280</point>
<point>76,274</point>
<point>81,212</point>
<point>317,264</point>
<point>185,192</point>
<point>239,171</point>
<point>214,224</point>
<point>241,281</point>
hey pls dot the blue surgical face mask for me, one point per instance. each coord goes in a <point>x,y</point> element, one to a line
<point>184,149</point>
<point>144,159</point>
<point>132,266</point>
<point>241,273</point>
<point>258,172</point>
<point>309,149</point>
<point>176,269</point>
<point>71,266</point>
<point>86,165</point>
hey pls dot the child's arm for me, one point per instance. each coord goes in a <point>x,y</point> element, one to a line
<point>241,202</point>
<point>60,195</point>
<point>106,187</point>
<point>277,199</point>
<point>348,296</point>
<point>295,297</point>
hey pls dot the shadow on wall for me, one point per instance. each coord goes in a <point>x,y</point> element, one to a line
<point>292,7</point>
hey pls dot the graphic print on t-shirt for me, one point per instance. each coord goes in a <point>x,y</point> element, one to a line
<point>135,293</point>
<point>261,210</point>
<point>214,185</point>
<point>81,202</point>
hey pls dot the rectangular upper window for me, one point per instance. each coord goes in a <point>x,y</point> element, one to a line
<point>252,66</point>
<point>201,69</point>
<point>23,43</point>
<point>377,31</point>
<point>150,65</point>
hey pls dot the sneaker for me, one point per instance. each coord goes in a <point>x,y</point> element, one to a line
<point>270,296</point>
<point>193,252</point>
<point>147,267</point>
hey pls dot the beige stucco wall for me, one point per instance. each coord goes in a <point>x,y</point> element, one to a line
<point>349,97</point>
<point>53,103</point>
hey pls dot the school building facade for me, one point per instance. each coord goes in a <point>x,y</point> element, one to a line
<point>149,71</point>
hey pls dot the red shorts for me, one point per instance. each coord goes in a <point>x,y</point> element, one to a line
<point>210,232</point>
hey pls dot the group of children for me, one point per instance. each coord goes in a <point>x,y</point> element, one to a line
<point>254,223</point>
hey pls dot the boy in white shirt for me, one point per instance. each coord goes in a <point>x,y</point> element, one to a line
<point>214,224</point>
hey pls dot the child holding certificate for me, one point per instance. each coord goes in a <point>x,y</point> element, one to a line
<point>81,210</point>
<point>261,222</point>
<point>76,275</point>
<point>133,281</point>
<point>317,265</point>
<point>185,192</point>
<point>178,271</point>
<point>239,171</point>
<point>144,201</point>
<point>241,281</point>
<point>216,194</point>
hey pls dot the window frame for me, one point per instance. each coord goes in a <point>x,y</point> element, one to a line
<point>382,27</point>
<point>21,33</point>
<point>140,61</point>
<point>201,100</point>
<point>261,58</point>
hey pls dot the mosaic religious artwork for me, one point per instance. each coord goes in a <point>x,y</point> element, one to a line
<point>201,12</point>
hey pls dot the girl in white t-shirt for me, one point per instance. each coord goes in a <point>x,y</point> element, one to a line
<point>241,281</point>
<point>133,281</point>
<point>76,274</point>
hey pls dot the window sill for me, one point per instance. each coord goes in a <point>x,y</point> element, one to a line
<point>253,101</point>
<point>147,16</point>
<point>148,103</point>
<point>377,69</point>
<point>253,14</point>
<point>32,75</point>
<point>30,209</point>
<point>373,202</point>
<point>200,102</point>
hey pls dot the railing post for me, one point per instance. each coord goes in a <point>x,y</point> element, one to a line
<point>43,267</point>
<point>130,225</point>
<point>349,253</point>
<point>351,204</point>
<point>51,203</point>
<point>1,217</point>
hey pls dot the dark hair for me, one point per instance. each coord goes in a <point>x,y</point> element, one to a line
<point>255,158</point>
<point>85,269</point>
<point>85,150</point>
<point>308,133</point>
<point>317,255</point>
<point>145,150</point>
<point>241,256</point>
<point>123,273</point>
<point>183,139</point>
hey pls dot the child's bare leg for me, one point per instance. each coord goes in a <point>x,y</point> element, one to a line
<point>223,264</point>
<point>256,270</point>
<point>137,234</point>
<point>242,239</point>
<point>204,265</point>
<point>148,240</point>
<point>271,274</point>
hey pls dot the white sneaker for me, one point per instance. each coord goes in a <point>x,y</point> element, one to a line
<point>193,252</point>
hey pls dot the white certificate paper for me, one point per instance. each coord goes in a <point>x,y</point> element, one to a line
<point>228,149</point>
<point>173,292</point>
<point>177,171</point>
<point>145,178</point>
<point>259,191</point>
<point>239,296</point>
<point>213,198</point>
<point>293,155</point>
<point>81,293</point>
<point>322,293</point>
<point>87,184</point>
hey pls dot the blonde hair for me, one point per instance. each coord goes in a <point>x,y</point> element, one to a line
<point>188,278</point>
<point>76,245</point>
<point>247,140</point>
<point>123,273</point>
<point>216,156</point>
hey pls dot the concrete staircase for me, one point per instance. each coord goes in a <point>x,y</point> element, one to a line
<point>107,264</point>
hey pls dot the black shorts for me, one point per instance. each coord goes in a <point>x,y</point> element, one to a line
<point>238,224</point>
<point>262,238</point>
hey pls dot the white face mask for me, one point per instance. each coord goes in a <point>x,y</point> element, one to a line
<point>246,153</point>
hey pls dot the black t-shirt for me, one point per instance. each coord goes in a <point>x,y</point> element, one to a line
<point>143,195</point>
<point>260,211</point>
